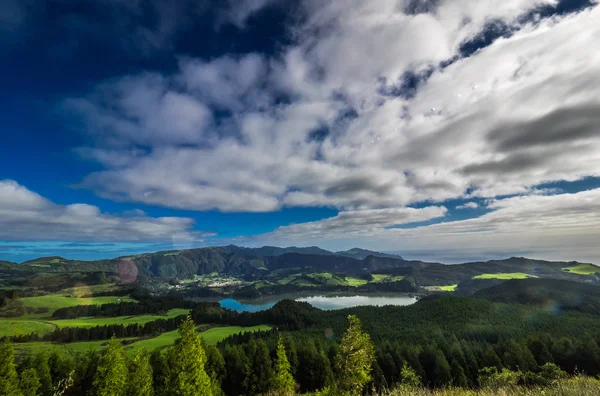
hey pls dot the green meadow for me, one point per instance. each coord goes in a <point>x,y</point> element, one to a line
<point>505,276</point>
<point>124,320</point>
<point>449,288</point>
<point>211,336</point>
<point>583,269</point>
<point>53,302</point>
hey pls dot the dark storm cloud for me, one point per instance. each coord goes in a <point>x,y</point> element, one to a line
<point>514,163</point>
<point>414,7</point>
<point>356,184</point>
<point>560,126</point>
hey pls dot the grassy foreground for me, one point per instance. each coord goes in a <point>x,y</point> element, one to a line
<point>574,386</point>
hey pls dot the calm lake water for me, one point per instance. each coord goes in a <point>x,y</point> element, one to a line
<point>321,302</point>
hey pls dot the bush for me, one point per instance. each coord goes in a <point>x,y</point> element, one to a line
<point>490,377</point>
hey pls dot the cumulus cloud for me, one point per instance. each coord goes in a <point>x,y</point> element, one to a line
<point>359,221</point>
<point>553,227</point>
<point>311,127</point>
<point>27,216</point>
<point>376,106</point>
<point>468,205</point>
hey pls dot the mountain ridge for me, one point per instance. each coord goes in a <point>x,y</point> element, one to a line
<point>273,264</point>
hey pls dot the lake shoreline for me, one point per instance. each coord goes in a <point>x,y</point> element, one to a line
<point>321,300</point>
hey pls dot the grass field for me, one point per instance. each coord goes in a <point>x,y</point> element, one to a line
<point>83,290</point>
<point>355,281</point>
<point>40,320</point>
<point>450,288</point>
<point>42,307</point>
<point>13,327</point>
<point>211,336</point>
<point>583,269</point>
<point>54,302</point>
<point>287,279</point>
<point>377,278</point>
<point>124,320</point>
<point>506,276</point>
<point>327,278</point>
<point>380,277</point>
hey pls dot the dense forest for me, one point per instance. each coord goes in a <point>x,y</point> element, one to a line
<point>440,341</point>
<point>277,363</point>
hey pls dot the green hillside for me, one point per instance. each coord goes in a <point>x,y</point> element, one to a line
<point>555,295</point>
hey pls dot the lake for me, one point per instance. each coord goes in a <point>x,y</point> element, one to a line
<point>321,302</point>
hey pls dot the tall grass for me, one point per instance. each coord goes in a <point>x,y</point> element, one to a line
<point>573,386</point>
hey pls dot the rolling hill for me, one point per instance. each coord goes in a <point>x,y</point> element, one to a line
<point>272,264</point>
<point>554,294</point>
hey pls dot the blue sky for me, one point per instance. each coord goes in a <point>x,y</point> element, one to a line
<point>435,129</point>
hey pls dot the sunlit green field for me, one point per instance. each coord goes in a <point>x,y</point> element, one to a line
<point>326,278</point>
<point>355,281</point>
<point>14,327</point>
<point>211,336</point>
<point>386,278</point>
<point>450,288</point>
<point>124,320</point>
<point>54,302</point>
<point>583,269</point>
<point>512,275</point>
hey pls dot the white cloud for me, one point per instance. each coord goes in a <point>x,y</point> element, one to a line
<point>532,117</point>
<point>468,205</point>
<point>311,127</point>
<point>27,216</point>
<point>359,221</point>
<point>553,227</point>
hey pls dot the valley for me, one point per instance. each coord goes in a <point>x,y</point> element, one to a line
<point>240,299</point>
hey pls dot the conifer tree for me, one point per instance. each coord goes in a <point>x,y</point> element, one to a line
<point>354,361</point>
<point>284,383</point>
<point>442,372</point>
<point>43,372</point>
<point>111,375</point>
<point>30,382</point>
<point>187,359</point>
<point>261,379</point>
<point>140,375</point>
<point>9,380</point>
<point>458,375</point>
<point>409,377</point>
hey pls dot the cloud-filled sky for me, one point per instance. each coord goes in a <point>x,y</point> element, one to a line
<point>446,130</point>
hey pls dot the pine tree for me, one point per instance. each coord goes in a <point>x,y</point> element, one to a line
<point>215,366</point>
<point>354,361</point>
<point>490,358</point>
<point>458,375</point>
<point>409,377</point>
<point>262,376</point>
<point>160,371</point>
<point>9,380</point>
<point>111,375</point>
<point>442,372</point>
<point>43,372</point>
<point>140,375</point>
<point>284,383</point>
<point>187,359</point>
<point>30,382</point>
